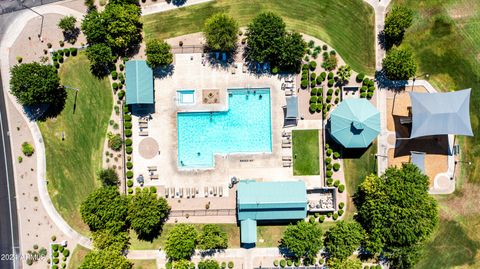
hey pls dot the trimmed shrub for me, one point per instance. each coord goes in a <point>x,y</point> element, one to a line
<point>330,75</point>
<point>321,219</point>
<point>130,191</point>
<point>127,118</point>
<point>121,67</point>
<point>313,84</point>
<point>378,266</point>
<point>304,84</point>
<point>115,85</point>
<point>121,94</point>
<point>369,95</point>
<point>363,89</point>
<point>289,262</point>
<point>313,99</point>
<point>53,266</point>
<point>283,263</point>
<point>336,100</point>
<point>55,254</point>
<point>336,167</point>
<point>335,216</point>
<point>329,214</point>
<point>128,133</point>
<point>329,182</point>
<point>366,81</point>
<point>330,92</point>
<point>60,248</point>
<point>67,52</point>
<point>319,107</point>
<point>153,189</point>
<point>341,205</point>
<point>312,65</point>
<point>275,263</point>
<point>297,263</point>
<point>360,77</point>
<point>319,80</point>
<point>323,75</point>
<point>332,52</point>
<point>340,212</point>
<point>328,99</point>
<point>73,51</point>
<point>337,92</point>
<point>129,174</point>
<point>331,82</point>
<point>230,264</point>
<point>54,247</point>
<point>314,91</point>
<point>129,183</point>
<point>129,150</point>
<point>305,67</point>
<point>313,76</point>
<point>27,149</point>
<point>66,252</point>
<point>341,188</point>
<point>60,52</point>
<point>329,173</point>
<point>168,265</point>
<point>129,165</point>
<point>329,152</point>
<point>363,95</point>
<point>371,89</point>
<point>329,167</point>
<point>127,125</point>
<point>313,107</point>
<point>128,142</point>
<point>311,219</point>
<point>328,160</point>
<point>336,183</point>
<point>55,260</point>
<point>114,75</point>
<point>325,47</point>
<point>56,64</point>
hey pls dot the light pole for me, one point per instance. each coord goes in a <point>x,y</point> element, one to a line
<point>415,78</point>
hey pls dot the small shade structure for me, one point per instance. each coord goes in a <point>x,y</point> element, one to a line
<point>268,201</point>
<point>292,107</point>
<point>441,113</point>
<point>355,123</point>
<point>139,82</point>
<point>418,159</point>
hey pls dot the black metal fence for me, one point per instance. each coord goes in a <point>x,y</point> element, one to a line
<point>188,49</point>
<point>203,212</point>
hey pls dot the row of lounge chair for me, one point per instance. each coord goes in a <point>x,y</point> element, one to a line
<point>193,192</point>
<point>143,126</point>
<point>151,171</point>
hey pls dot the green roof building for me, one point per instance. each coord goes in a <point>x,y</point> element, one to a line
<point>268,201</point>
<point>139,82</point>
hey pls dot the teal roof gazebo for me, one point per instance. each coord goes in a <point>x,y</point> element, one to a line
<point>139,82</point>
<point>355,123</point>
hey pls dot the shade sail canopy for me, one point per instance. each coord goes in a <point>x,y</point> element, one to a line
<point>355,123</point>
<point>292,107</point>
<point>139,81</point>
<point>441,113</point>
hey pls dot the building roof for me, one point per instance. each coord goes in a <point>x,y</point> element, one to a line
<point>418,159</point>
<point>355,123</point>
<point>139,82</point>
<point>441,113</point>
<point>292,107</point>
<point>248,231</point>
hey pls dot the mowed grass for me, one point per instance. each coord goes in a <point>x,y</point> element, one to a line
<point>347,25</point>
<point>144,264</point>
<point>72,164</point>
<point>305,147</point>
<point>445,38</point>
<point>77,256</point>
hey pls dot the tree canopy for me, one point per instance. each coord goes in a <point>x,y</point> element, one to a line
<point>67,24</point>
<point>396,210</point>
<point>303,240</point>
<point>344,264</point>
<point>106,239</point>
<point>265,36</point>
<point>105,259</point>
<point>343,239</point>
<point>293,49</point>
<point>396,22</point>
<point>34,83</point>
<point>181,242</point>
<point>105,208</point>
<point>212,237</point>
<point>108,176</point>
<point>158,53</point>
<point>147,213</point>
<point>118,26</point>
<point>101,59</point>
<point>220,32</point>
<point>208,264</point>
<point>399,64</point>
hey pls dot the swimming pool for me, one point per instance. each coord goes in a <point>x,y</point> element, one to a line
<point>244,128</point>
<point>186,97</point>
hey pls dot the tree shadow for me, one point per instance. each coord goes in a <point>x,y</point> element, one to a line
<point>42,112</point>
<point>385,83</point>
<point>71,36</point>
<point>178,2</point>
<point>163,72</point>
<point>210,252</point>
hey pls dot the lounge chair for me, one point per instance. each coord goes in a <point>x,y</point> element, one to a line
<point>405,120</point>
<point>143,133</point>
<point>205,190</point>
<point>286,145</point>
<point>192,191</point>
<point>142,120</point>
<point>220,191</point>
<point>287,164</point>
<point>166,193</point>
<point>188,193</point>
<point>286,141</point>
<point>288,92</point>
<point>154,177</point>
<point>289,79</point>
<point>143,125</point>
<point>152,168</point>
<point>286,133</point>
<point>244,68</point>
<point>286,158</point>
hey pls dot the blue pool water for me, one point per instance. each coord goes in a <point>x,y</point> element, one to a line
<point>244,128</point>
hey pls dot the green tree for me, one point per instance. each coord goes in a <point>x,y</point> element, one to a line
<point>158,53</point>
<point>265,37</point>
<point>67,24</point>
<point>395,209</point>
<point>105,208</point>
<point>106,239</point>
<point>181,242</point>
<point>27,149</point>
<point>399,64</point>
<point>109,177</point>
<point>101,59</point>
<point>221,31</point>
<point>303,240</point>
<point>147,213</point>
<point>182,264</point>
<point>344,264</point>
<point>291,54</point>
<point>34,84</point>
<point>118,26</point>
<point>208,264</point>
<point>212,237</point>
<point>397,21</point>
<point>343,239</point>
<point>344,72</point>
<point>105,259</point>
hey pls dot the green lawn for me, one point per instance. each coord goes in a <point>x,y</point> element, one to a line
<point>346,25</point>
<point>76,258</point>
<point>445,37</point>
<point>305,147</point>
<point>144,264</point>
<point>72,163</point>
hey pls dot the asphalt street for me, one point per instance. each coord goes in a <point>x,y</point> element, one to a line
<point>9,242</point>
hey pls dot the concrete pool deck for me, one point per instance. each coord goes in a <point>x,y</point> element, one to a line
<point>190,73</point>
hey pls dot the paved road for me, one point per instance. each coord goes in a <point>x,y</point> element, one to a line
<point>9,243</point>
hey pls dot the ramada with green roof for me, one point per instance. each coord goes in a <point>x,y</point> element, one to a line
<point>268,201</point>
<point>139,82</point>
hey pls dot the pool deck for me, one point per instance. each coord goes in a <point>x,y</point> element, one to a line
<point>190,73</point>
